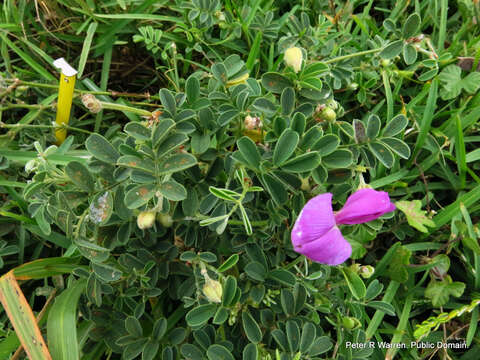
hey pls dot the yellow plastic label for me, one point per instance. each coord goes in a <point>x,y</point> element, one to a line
<point>65,96</point>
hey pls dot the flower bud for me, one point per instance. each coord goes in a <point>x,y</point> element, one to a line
<point>91,103</point>
<point>252,122</point>
<point>350,323</point>
<point>165,219</point>
<point>146,219</point>
<point>212,290</point>
<point>305,184</point>
<point>352,86</point>
<point>332,104</point>
<point>328,114</point>
<point>385,62</point>
<point>293,57</point>
<point>366,271</point>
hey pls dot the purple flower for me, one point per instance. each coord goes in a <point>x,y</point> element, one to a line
<point>315,233</point>
<point>363,206</point>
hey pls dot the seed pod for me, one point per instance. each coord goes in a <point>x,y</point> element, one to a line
<point>146,219</point>
<point>293,57</point>
<point>91,103</point>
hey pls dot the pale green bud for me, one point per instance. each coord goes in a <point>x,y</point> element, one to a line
<point>213,290</point>
<point>293,57</point>
<point>366,271</point>
<point>146,219</point>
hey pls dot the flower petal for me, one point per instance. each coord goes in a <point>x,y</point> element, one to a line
<point>315,219</point>
<point>363,206</point>
<point>329,249</point>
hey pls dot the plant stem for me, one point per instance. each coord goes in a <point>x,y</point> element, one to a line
<point>349,56</point>
<point>30,126</point>
<point>120,107</point>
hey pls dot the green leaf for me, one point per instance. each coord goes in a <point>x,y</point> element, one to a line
<point>200,314</point>
<point>275,188</point>
<point>133,326</point>
<point>219,352</point>
<point>409,54</point>
<point>159,329</point>
<point>229,263</point>
<point>250,352</point>
<point>221,316</point>
<point>391,50</point>
<point>175,163</point>
<point>321,345</point>
<point>139,195</point>
<point>172,190</point>
<point>395,126</point>
<point>440,291</point>
<point>309,333</point>
<point>373,126</point>
<point>282,276</point>
<point>314,69</point>
<point>200,143</point>
<point>275,82</point>
<point>453,84</point>
<point>265,106</point>
<point>191,352</point>
<point>251,328</point>
<point>416,217</point>
<point>138,131</point>
<point>471,83</point>
<point>397,146</point>
<point>106,272</point>
<point>168,101</point>
<point>101,149</point>
<point>227,116</point>
<point>285,147</point>
<point>355,283</point>
<point>280,338</point>
<point>150,350</point>
<point>312,84</point>
<point>229,290</point>
<point>382,153</point>
<point>224,194</point>
<point>302,163</point>
<point>249,151</point>
<point>245,220</point>
<point>293,335</point>
<point>171,143</point>
<point>80,176</point>
<point>192,88</point>
<point>62,323</point>
<point>397,268</point>
<point>382,306</point>
<point>326,145</point>
<point>220,72</point>
<point>287,100</point>
<point>162,130</point>
<point>341,158</point>
<point>256,271</point>
<point>134,162</point>
<point>410,28</point>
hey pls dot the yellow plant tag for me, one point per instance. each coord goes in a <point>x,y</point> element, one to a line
<point>65,96</point>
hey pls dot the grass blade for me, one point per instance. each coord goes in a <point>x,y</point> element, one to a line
<point>86,48</point>
<point>427,119</point>
<point>62,324</point>
<point>28,59</point>
<point>22,318</point>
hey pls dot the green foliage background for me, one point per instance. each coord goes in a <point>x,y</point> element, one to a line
<point>387,95</point>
